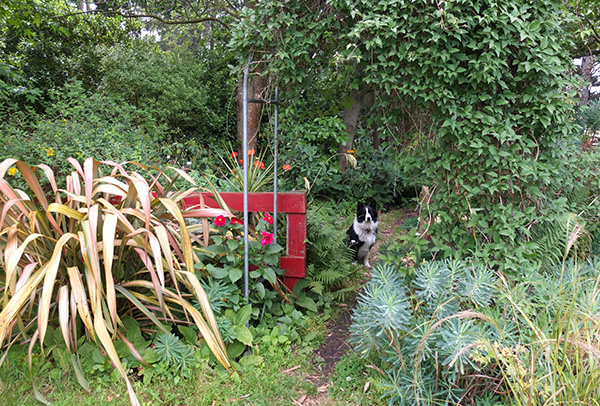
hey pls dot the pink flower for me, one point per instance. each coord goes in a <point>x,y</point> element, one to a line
<point>220,221</point>
<point>235,220</point>
<point>268,218</point>
<point>267,238</point>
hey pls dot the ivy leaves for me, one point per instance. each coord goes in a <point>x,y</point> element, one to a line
<point>487,77</point>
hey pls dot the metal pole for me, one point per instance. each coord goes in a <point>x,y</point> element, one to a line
<point>245,166</point>
<point>275,154</point>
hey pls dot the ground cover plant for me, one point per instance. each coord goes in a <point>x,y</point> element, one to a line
<point>160,298</point>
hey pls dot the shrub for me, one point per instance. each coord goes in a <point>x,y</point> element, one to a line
<point>377,176</point>
<point>458,332</point>
<point>81,125</point>
<point>177,88</point>
<point>111,245</point>
<point>269,306</point>
<point>483,101</point>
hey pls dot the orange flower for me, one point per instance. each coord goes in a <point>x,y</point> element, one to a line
<point>251,152</point>
<point>259,164</point>
<point>286,167</point>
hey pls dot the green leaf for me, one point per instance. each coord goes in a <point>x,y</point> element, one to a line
<point>260,289</point>
<point>233,244</point>
<point>251,360</point>
<point>190,334</point>
<point>243,334</point>
<point>270,275</point>
<point>235,274</point>
<point>235,349</point>
<point>243,315</point>
<point>273,249</point>
<point>217,273</point>
<point>307,303</point>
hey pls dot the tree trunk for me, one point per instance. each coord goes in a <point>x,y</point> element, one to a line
<point>256,90</point>
<point>587,63</point>
<point>356,100</point>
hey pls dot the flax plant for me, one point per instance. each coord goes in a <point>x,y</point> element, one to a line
<point>112,244</point>
<point>260,177</point>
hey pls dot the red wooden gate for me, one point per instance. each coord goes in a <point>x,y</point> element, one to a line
<point>291,203</point>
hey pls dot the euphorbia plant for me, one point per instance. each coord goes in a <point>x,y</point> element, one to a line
<point>112,244</point>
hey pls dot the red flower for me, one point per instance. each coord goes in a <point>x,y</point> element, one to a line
<point>259,164</point>
<point>234,154</point>
<point>267,238</point>
<point>220,221</point>
<point>251,152</point>
<point>286,167</point>
<point>268,218</point>
<point>241,162</point>
<point>235,220</point>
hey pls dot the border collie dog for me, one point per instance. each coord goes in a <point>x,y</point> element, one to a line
<point>362,234</point>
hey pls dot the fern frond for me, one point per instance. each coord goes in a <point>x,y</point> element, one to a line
<point>562,237</point>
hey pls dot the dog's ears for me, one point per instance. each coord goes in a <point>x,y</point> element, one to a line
<point>361,205</point>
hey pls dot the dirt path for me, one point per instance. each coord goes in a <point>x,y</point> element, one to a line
<point>336,344</point>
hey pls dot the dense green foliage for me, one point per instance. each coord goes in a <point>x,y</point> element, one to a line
<point>59,65</point>
<point>79,124</point>
<point>476,93</point>
<point>175,87</point>
<point>457,334</point>
<point>46,51</point>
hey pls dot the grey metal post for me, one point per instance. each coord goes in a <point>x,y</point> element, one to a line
<point>275,155</point>
<point>245,166</point>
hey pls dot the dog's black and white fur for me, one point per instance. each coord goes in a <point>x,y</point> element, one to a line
<point>361,236</point>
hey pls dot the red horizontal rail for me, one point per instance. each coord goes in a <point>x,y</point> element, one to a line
<point>291,203</point>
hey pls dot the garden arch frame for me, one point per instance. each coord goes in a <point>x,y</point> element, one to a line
<point>294,204</point>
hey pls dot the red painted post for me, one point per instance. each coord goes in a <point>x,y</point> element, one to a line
<point>291,203</point>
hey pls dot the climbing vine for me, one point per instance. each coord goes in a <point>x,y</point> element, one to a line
<point>490,77</point>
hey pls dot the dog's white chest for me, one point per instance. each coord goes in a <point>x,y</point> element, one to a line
<point>367,232</point>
